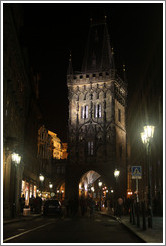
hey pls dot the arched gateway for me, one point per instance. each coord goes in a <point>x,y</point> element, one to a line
<point>97,108</point>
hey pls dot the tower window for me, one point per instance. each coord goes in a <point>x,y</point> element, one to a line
<point>84,112</point>
<point>98,111</point>
<point>119,115</point>
<point>90,148</point>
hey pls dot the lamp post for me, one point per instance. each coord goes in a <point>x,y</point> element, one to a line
<point>116,175</point>
<point>16,159</point>
<point>100,185</point>
<point>41,178</point>
<point>146,137</point>
<point>50,186</point>
<point>92,191</point>
<point>58,194</point>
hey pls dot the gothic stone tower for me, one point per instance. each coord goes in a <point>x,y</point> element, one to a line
<point>97,108</point>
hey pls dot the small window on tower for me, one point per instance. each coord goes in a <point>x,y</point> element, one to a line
<point>98,111</point>
<point>84,112</point>
<point>90,148</point>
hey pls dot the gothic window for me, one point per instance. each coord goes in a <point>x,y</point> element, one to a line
<point>85,97</point>
<point>104,94</point>
<point>97,95</point>
<point>84,112</point>
<point>90,148</point>
<point>98,111</point>
<point>119,115</point>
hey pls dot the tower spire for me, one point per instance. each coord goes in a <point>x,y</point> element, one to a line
<point>98,47</point>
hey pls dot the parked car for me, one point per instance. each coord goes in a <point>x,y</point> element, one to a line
<point>52,207</point>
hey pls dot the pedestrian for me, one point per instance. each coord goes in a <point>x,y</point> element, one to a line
<point>91,207</point>
<point>67,207</point>
<point>119,207</point>
<point>22,203</point>
<point>83,205</point>
<point>38,204</point>
<point>31,203</point>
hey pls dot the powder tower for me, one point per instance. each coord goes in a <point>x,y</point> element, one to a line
<point>97,115</point>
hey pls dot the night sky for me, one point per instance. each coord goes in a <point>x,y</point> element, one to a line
<point>53,30</point>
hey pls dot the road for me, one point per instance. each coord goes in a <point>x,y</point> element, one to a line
<point>100,229</point>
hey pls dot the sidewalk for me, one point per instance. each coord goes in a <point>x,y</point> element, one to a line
<point>154,235</point>
<point>27,215</point>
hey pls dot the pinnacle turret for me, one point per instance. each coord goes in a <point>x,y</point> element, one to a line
<point>70,67</point>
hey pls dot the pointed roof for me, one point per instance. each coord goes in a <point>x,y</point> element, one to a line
<point>98,53</point>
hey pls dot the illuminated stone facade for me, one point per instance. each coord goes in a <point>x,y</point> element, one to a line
<point>59,148</point>
<point>97,109</point>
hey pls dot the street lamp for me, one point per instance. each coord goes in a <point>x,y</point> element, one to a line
<point>146,137</point>
<point>41,178</point>
<point>100,185</point>
<point>16,159</point>
<point>50,186</point>
<point>116,175</point>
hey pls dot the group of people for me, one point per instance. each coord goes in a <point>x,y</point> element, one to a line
<point>85,205</point>
<point>34,203</point>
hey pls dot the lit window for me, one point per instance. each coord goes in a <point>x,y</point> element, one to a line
<point>90,148</point>
<point>84,112</point>
<point>98,111</point>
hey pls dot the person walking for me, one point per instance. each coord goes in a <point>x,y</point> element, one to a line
<point>83,205</point>
<point>22,203</point>
<point>91,207</point>
<point>31,203</point>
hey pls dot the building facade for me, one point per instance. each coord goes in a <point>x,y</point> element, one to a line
<point>59,148</point>
<point>16,97</point>
<point>97,115</point>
